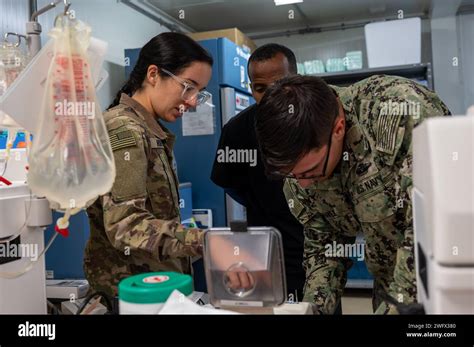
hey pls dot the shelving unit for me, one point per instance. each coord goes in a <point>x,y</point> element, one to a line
<point>360,283</point>
<point>412,71</point>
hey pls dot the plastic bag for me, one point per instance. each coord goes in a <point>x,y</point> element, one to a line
<point>71,161</point>
<point>12,62</point>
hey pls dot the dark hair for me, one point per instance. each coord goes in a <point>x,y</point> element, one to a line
<point>171,51</point>
<point>270,50</point>
<point>295,116</point>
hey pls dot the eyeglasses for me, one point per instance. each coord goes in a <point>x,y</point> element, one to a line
<point>190,92</point>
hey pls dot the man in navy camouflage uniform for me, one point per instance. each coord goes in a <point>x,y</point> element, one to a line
<point>347,156</point>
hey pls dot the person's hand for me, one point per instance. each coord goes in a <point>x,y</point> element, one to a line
<point>239,281</point>
<point>315,308</point>
<point>194,239</point>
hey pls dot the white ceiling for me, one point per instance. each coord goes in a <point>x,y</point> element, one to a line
<point>253,16</point>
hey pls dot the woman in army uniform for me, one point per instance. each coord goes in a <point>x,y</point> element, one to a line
<point>136,228</point>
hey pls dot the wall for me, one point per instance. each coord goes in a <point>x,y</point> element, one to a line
<point>466,40</point>
<point>13,15</point>
<point>116,23</point>
<point>453,39</point>
<point>447,76</point>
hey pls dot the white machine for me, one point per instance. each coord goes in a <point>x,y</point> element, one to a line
<point>23,217</point>
<point>21,212</point>
<point>443,211</point>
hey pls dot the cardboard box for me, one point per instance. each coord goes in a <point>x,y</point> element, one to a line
<point>233,34</point>
<point>393,42</point>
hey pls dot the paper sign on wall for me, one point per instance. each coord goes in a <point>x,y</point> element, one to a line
<point>200,121</point>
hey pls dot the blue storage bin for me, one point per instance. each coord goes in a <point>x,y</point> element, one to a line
<point>354,272</point>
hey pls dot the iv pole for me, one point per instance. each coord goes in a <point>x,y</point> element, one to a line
<point>33,27</point>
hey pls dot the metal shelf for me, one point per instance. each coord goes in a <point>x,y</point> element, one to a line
<point>412,71</point>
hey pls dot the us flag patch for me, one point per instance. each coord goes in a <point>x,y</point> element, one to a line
<point>122,139</point>
<point>387,129</point>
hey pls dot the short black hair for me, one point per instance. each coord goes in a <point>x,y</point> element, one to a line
<point>269,51</point>
<point>295,116</point>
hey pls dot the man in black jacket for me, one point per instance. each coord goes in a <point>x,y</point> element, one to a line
<point>246,183</point>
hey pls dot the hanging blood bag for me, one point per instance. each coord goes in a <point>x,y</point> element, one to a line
<point>71,161</point>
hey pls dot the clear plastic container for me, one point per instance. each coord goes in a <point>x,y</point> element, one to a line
<point>244,267</point>
<point>12,62</point>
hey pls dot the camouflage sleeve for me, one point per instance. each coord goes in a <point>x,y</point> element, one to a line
<point>403,287</point>
<point>325,276</point>
<point>129,225</point>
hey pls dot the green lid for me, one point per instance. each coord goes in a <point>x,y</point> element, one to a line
<point>154,287</point>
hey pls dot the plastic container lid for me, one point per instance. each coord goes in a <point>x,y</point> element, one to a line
<point>154,287</point>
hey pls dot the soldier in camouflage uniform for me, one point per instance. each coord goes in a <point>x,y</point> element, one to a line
<point>365,188</point>
<point>136,228</point>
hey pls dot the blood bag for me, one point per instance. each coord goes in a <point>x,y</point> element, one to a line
<point>71,161</point>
